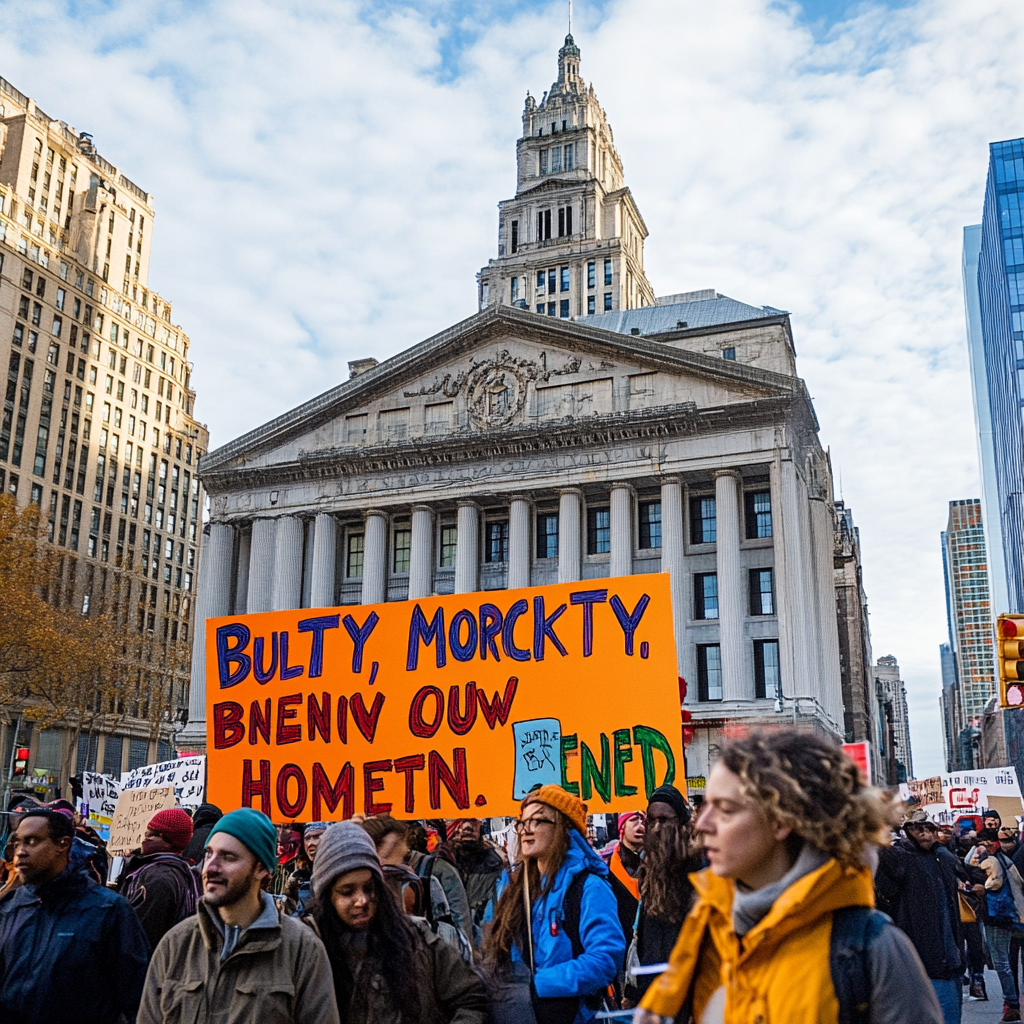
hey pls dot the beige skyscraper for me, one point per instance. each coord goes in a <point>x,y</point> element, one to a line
<point>97,426</point>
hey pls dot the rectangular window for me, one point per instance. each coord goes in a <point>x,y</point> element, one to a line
<point>514,291</point>
<point>561,222</point>
<point>591,274</point>
<point>702,521</point>
<point>556,159</point>
<point>607,272</point>
<point>449,544</point>
<point>599,531</point>
<point>650,524</point>
<point>496,541</point>
<point>403,550</point>
<point>552,281</point>
<point>543,161</point>
<point>767,681</point>
<point>709,672</point>
<point>551,308</point>
<point>515,236</point>
<point>705,595</point>
<point>762,594</point>
<point>355,428</point>
<point>607,301</point>
<point>591,305</point>
<point>540,280</point>
<point>729,353</point>
<point>540,307</point>
<point>569,159</point>
<point>758,506</point>
<point>547,535</point>
<point>354,561</point>
<point>563,284</point>
<point>563,309</point>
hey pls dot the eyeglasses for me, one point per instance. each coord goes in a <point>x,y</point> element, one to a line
<point>530,824</point>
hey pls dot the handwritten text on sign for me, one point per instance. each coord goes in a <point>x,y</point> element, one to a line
<point>135,808</point>
<point>435,707</point>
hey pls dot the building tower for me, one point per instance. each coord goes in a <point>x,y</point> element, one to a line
<point>571,242</point>
<point>894,720</point>
<point>98,427</point>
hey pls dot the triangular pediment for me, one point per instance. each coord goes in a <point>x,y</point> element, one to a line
<point>502,370</point>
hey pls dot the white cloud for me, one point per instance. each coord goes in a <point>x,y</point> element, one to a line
<point>324,193</point>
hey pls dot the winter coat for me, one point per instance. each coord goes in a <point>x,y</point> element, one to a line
<point>556,972</point>
<point>455,892</point>
<point>70,950</point>
<point>206,816</point>
<point>163,891</point>
<point>448,989</point>
<point>480,880</point>
<point>278,973</point>
<point>918,890</point>
<point>780,972</point>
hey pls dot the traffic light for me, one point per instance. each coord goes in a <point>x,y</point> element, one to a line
<point>1010,660</point>
<point>21,761</point>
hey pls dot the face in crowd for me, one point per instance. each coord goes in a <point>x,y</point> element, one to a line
<point>923,833</point>
<point>634,828</point>
<point>156,842</point>
<point>467,831</point>
<point>38,857</point>
<point>230,870</point>
<point>311,842</point>
<point>354,898</point>
<point>288,843</point>
<point>536,829</point>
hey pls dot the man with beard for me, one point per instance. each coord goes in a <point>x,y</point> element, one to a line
<point>238,959</point>
<point>480,867</point>
<point>161,886</point>
<point>665,890</point>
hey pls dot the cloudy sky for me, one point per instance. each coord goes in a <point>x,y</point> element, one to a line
<point>326,176</point>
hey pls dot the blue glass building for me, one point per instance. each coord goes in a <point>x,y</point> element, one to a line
<point>994,295</point>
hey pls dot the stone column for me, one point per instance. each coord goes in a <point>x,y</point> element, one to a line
<point>519,543</point>
<point>325,558</point>
<point>242,572</point>
<point>288,563</point>
<point>467,548</point>
<point>421,557</point>
<point>783,601</point>
<point>795,594</point>
<point>375,558</point>
<point>570,535</point>
<point>620,561</point>
<point>822,544</point>
<point>212,599</point>
<point>261,566</point>
<point>735,686</point>
<point>672,560</point>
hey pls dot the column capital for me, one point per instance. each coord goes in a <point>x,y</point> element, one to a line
<point>578,491</point>
<point>463,503</point>
<point>734,473</point>
<point>622,485</point>
<point>528,498</point>
<point>423,508</point>
<point>367,513</point>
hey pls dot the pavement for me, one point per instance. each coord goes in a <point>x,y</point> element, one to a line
<point>985,1013</point>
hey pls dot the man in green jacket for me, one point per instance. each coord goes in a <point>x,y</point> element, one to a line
<point>238,961</point>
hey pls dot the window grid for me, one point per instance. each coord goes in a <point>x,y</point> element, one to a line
<point>403,550</point>
<point>449,544</point>
<point>705,595</point>
<point>650,524</point>
<point>496,547</point>
<point>709,672</point>
<point>758,514</point>
<point>354,559</point>
<point>767,681</point>
<point>599,531</point>
<point>703,523</point>
<point>547,535</point>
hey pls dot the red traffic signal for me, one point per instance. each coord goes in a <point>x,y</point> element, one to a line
<point>21,761</point>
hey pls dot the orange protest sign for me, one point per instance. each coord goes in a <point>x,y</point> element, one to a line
<point>446,706</point>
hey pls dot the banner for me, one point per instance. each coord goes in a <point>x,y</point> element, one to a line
<point>446,706</point>
<point>186,775</point>
<point>99,800</point>
<point>966,793</point>
<point>860,754</point>
<point>135,808</point>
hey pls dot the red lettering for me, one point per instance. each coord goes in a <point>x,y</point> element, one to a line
<point>342,719</point>
<point>417,725</point>
<point>408,765</point>
<point>457,782</point>
<point>285,711</point>
<point>461,724</point>
<point>373,785</point>
<point>318,717</point>
<point>498,710</point>
<point>342,790</point>
<point>259,722</point>
<point>291,808</point>
<point>366,721</point>
<point>260,788</point>
<point>227,724</point>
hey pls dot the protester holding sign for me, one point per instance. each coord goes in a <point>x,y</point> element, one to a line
<point>69,949</point>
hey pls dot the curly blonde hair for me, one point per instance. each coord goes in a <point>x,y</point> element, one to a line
<point>806,783</point>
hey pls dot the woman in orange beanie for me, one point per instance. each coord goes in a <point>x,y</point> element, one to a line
<point>573,944</point>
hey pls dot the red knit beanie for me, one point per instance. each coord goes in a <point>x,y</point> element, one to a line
<point>174,825</point>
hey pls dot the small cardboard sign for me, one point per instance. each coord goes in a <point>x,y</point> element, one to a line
<point>927,791</point>
<point>135,808</point>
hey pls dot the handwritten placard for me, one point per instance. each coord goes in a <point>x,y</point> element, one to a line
<point>187,775</point>
<point>135,808</point>
<point>927,791</point>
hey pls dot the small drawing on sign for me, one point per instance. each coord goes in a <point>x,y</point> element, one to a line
<point>538,752</point>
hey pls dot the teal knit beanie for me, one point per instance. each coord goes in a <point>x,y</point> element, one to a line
<point>255,830</point>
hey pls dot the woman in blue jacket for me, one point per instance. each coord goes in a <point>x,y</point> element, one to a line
<point>565,912</point>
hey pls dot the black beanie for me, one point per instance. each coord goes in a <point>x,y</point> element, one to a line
<point>671,796</point>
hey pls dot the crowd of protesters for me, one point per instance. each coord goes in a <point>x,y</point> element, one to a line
<point>757,905</point>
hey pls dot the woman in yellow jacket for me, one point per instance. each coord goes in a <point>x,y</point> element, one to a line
<point>783,930</point>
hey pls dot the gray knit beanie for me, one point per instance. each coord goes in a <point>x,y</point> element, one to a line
<point>345,847</point>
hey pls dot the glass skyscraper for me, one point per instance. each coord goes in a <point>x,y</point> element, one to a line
<point>994,294</point>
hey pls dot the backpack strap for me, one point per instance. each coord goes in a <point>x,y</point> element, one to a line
<point>854,931</point>
<point>425,870</point>
<point>572,909</point>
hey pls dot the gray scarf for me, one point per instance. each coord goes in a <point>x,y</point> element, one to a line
<point>749,906</point>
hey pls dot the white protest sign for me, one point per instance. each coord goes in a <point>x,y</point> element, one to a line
<point>969,792</point>
<point>99,799</point>
<point>135,808</point>
<point>187,775</point>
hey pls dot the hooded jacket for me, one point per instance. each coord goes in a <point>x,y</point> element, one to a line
<point>780,971</point>
<point>276,973</point>
<point>163,891</point>
<point>206,816</point>
<point>556,972</point>
<point>69,950</point>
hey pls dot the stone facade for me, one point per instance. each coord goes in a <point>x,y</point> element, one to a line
<point>892,699</point>
<point>515,449</point>
<point>98,426</point>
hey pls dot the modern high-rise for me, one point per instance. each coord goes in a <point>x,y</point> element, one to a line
<point>949,708</point>
<point>993,264</point>
<point>571,242</point>
<point>893,721</point>
<point>98,424</point>
<point>969,616</point>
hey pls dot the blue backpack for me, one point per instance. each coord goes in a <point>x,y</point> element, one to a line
<point>854,932</point>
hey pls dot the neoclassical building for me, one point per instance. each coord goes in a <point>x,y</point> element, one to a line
<point>533,443</point>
